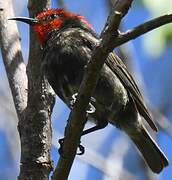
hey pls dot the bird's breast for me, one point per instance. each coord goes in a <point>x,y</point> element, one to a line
<point>64,64</point>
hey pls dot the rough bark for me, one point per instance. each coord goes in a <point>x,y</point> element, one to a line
<point>35,129</point>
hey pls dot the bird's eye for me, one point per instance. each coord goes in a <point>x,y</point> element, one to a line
<point>53,16</point>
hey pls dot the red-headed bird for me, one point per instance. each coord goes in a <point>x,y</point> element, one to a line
<point>68,41</point>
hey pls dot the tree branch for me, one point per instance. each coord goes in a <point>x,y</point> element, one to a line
<point>12,57</point>
<point>35,129</point>
<point>77,118</point>
<point>140,30</point>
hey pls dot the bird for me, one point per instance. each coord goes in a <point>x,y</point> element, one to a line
<point>68,40</point>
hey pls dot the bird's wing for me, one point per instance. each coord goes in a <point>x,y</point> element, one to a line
<point>118,67</point>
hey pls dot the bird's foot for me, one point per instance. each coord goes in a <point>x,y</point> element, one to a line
<point>81,149</point>
<point>73,100</point>
<point>60,150</point>
<point>91,109</point>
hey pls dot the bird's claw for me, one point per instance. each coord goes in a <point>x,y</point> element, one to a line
<point>60,150</point>
<point>81,149</point>
<point>72,102</point>
<point>91,109</point>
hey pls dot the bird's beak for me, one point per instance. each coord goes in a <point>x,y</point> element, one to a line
<point>30,21</point>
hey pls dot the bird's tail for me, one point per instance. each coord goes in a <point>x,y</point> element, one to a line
<point>152,154</point>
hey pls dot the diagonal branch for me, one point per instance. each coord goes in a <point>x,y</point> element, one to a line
<point>140,30</point>
<point>109,40</point>
<point>77,117</point>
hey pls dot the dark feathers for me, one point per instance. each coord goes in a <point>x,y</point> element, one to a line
<point>118,98</point>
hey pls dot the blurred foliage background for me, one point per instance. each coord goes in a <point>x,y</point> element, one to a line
<point>109,153</point>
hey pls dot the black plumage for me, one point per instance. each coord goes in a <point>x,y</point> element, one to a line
<point>118,100</point>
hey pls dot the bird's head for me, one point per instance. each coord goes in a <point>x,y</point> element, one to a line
<point>51,19</point>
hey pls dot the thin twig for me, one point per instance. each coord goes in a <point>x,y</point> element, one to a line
<point>141,29</point>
